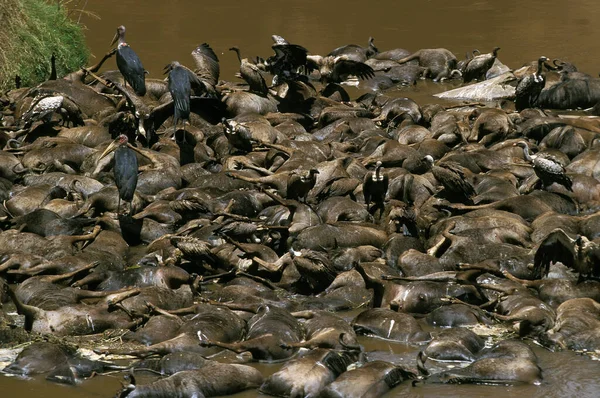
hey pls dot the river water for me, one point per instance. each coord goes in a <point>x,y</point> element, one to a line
<point>165,30</point>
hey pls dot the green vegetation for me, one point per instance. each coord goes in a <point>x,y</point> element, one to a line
<point>30,31</point>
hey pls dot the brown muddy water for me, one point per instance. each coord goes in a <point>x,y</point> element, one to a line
<point>165,30</point>
<point>168,30</point>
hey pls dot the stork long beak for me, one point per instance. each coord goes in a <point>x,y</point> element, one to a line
<point>113,145</point>
<point>114,40</point>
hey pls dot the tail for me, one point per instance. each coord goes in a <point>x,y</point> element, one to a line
<point>138,83</point>
<point>408,59</point>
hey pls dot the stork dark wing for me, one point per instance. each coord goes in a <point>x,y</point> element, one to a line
<point>342,68</point>
<point>557,246</point>
<point>131,68</point>
<point>180,88</point>
<point>207,64</point>
<point>126,172</point>
<point>198,84</point>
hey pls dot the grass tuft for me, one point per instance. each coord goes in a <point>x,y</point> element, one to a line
<point>30,32</point>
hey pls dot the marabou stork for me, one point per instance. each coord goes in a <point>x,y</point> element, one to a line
<point>181,80</point>
<point>125,168</point>
<point>129,63</point>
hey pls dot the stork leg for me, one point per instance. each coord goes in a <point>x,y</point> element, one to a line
<point>174,138</point>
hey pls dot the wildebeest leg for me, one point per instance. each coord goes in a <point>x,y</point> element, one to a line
<point>94,277</point>
<point>114,301</point>
<point>83,72</point>
<point>437,277</point>
<point>85,238</point>
<point>256,278</point>
<point>235,347</point>
<point>433,250</point>
<point>162,348</point>
<point>524,282</point>
<point>253,308</point>
<point>306,314</point>
<point>506,290</point>
<point>116,298</point>
<point>481,267</point>
<point>271,267</point>
<point>454,300</point>
<point>325,340</point>
<point>53,278</point>
<point>154,309</point>
<point>11,262</point>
